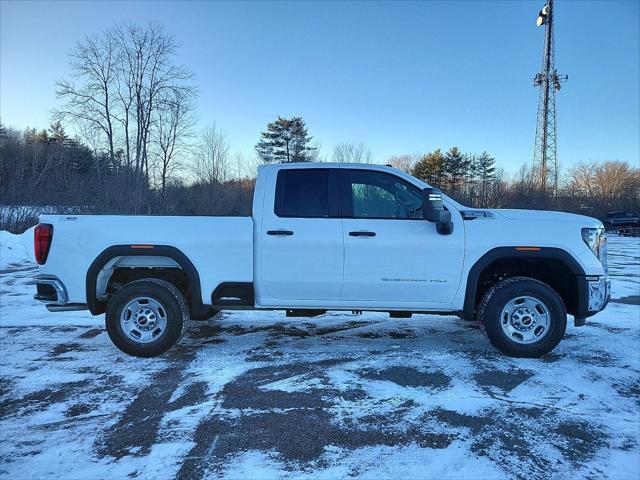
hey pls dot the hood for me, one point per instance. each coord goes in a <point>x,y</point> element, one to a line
<point>546,215</point>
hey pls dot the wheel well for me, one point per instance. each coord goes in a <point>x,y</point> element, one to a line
<point>120,264</point>
<point>552,271</point>
<point>123,275</point>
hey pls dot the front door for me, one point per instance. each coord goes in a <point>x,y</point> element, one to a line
<point>301,250</point>
<point>391,253</point>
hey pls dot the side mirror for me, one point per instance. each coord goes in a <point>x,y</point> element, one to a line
<point>433,211</point>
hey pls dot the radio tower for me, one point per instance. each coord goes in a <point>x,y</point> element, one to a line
<point>545,157</point>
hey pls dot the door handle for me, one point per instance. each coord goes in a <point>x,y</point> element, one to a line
<point>362,233</point>
<point>283,233</point>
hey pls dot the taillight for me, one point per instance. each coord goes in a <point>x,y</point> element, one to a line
<point>42,236</point>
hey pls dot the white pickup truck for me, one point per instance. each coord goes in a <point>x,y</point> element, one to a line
<point>329,237</point>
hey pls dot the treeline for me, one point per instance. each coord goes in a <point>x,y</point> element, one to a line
<point>588,188</point>
<point>471,179</point>
<point>45,170</point>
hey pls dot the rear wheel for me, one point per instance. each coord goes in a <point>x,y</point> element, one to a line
<point>145,318</point>
<point>523,317</point>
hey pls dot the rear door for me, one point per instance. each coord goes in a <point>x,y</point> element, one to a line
<point>301,256</point>
<point>392,255</point>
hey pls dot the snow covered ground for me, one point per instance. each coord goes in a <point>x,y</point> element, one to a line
<point>16,250</point>
<point>257,395</point>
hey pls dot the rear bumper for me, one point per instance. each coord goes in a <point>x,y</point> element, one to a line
<point>51,291</point>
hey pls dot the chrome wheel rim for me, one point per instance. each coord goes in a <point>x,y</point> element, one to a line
<point>143,320</point>
<point>525,320</point>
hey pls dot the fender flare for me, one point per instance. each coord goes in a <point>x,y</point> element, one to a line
<point>500,253</point>
<point>96,306</point>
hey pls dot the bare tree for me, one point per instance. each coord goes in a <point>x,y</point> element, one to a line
<point>212,159</point>
<point>174,124</point>
<point>315,151</point>
<point>607,181</point>
<point>404,162</point>
<point>242,167</point>
<point>89,99</point>
<point>254,161</point>
<point>580,179</point>
<point>352,153</point>
<point>147,75</point>
<point>125,84</point>
<point>95,141</point>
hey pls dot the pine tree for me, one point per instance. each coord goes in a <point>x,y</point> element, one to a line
<point>285,140</point>
<point>456,166</point>
<point>57,133</point>
<point>300,149</point>
<point>486,171</point>
<point>430,168</point>
<point>471,180</point>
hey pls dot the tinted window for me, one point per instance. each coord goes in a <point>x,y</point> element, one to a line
<point>302,193</point>
<point>381,195</point>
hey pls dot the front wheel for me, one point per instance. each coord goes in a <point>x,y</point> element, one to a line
<point>523,317</point>
<point>145,318</point>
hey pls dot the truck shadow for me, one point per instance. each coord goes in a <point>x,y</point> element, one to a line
<point>420,334</point>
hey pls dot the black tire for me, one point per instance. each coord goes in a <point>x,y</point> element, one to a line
<point>175,310</point>
<point>497,298</point>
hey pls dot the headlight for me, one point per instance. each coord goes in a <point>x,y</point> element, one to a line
<point>590,237</point>
<point>596,240</point>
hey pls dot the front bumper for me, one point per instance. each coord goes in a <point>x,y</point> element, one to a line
<point>599,293</point>
<point>593,295</point>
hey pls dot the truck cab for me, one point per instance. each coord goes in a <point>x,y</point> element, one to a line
<point>326,236</point>
<point>362,233</point>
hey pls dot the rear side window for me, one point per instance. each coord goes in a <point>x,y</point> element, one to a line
<point>302,193</point>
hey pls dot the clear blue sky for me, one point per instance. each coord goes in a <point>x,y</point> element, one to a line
<point>400,77</point>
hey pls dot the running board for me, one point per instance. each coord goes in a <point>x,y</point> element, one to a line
<point>67,307</point>
<point>304,312</point>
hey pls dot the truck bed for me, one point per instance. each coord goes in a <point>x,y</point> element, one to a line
<point>221,248</point>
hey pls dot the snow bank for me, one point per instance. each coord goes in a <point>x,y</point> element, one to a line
<point>16,249</point>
